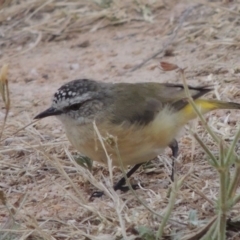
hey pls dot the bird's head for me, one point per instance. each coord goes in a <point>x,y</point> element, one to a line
<point>78,100</point>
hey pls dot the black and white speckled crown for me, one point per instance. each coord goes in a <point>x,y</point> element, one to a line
<point>73,89</point>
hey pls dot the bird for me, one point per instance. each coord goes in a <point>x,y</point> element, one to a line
<point>143,117</point>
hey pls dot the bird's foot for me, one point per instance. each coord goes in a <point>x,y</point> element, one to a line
<point>98,194</point>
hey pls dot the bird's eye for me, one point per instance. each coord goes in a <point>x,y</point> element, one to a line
<point>74,107</point>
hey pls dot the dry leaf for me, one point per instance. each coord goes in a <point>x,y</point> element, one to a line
<point>168,66</point>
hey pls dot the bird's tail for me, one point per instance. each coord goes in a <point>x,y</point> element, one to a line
<point>187,113</point>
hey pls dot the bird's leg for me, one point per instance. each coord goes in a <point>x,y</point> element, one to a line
<point>120,184</point>
<point>174,147</point>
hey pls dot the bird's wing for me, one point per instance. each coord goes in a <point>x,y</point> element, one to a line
<point>140,103</point>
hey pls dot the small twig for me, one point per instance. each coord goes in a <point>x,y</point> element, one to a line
<point>20,129</point>
<point>38,40</point>
<point>176,186</point>
<point>170,41</point>
<point>4,91</point>
<point>19,148</point>
<point>37,10</point>
<point>200,193</point>
<point>201,232</point>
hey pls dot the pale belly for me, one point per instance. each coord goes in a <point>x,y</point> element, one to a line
<point>129,145</point>
<point>130,150</point>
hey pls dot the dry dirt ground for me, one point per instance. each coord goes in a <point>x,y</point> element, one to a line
<point>48,43</point>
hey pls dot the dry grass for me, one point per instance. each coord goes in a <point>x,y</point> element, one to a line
<point>35,21</point>
<point>44,193</point>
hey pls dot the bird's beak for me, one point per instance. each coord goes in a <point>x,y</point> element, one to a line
<point>49,112</point>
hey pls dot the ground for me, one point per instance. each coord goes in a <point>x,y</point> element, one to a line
<point>47,44</point>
